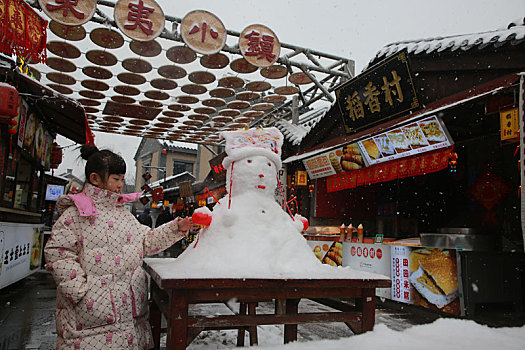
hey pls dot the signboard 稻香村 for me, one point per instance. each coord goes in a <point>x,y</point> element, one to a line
<point>336,161</point>
<point>379,94</point>
<point>418,137</point>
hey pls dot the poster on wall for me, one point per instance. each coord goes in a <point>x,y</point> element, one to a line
<point>328,252</point>
<point>20,251</point>
<point>426,277</point>
<point>418,137</point>
<point>373,258</point>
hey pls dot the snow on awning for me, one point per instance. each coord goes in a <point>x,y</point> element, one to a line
<point>457,99</point>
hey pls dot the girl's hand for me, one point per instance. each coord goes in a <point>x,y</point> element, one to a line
<point>184,224</point>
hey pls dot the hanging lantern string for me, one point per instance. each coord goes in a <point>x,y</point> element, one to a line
<point>284,198</point>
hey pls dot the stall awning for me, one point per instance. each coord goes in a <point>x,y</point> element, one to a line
<point>61,114</point>
<point>457,99</point>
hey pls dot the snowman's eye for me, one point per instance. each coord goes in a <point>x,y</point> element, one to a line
<point>270,164</point>
<point>249,160</point>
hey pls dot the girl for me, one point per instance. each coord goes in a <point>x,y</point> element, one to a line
<point>95,254</point>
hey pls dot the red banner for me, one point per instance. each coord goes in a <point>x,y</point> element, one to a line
<point>22,31</point>
<point>396,169</point>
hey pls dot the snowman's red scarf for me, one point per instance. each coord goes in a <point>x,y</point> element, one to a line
<point>284,198</point>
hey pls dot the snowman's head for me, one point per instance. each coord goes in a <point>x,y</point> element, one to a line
<point>254,174</point>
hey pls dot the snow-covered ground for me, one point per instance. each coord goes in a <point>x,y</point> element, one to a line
<point>392,331</point>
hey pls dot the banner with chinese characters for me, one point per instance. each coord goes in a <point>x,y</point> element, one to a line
<point>509,124</point>
<point>379,94</point>
<point>217,169</point>
<point>336,161</point>
<point>203,32</point>
<point>22,31</point>
<point>20,251</point>
<point>418,137</point>
<point>395,169</point>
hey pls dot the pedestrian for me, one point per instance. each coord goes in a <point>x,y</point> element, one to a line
<point>95,255</point>
<point>164,216</point>
<point>145,218</point>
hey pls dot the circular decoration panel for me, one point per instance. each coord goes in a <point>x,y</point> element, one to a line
<point>106,38</point>
<point>61,78</point>
<point>241,65</point>
<point>286,90</point>
<point>231,82</point>
<point>172,72</point>
<point>131,78</point>
<point>299,78</point>
<point>92,94</point>
<point>61,88</point>
<point>122,99</point>
<point>61,64</point>
<point>95,85</point>
<point>213,102</point>
<point>146,48</point>
<point>194,89</point>
<point>156,95</point>
<point>71,13</point>
<point>141,20</point>
<point>259,45</point>
<point>187,100</point>
<point>215,61</point>
<point>137,65</point>
<point>163,84</point>
<point>181,107</point>
<point>203,32</point>
<point>63,49</point>
<point>222,92</point>
<point>181,54</point>
<point>96,72</point>
<point>201,77</point>
<point>258,86</point>
<point>72,33</point>
<point>101,58</point>
<point>126,90</point>
<point>274,72</point>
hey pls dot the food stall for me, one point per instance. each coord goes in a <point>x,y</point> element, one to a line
<point>27,150</point>
<point>440,181</point>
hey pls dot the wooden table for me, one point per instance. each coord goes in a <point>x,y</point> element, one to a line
<point>171,296</point>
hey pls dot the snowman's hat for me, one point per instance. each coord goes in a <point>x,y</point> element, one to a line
<point>240,144</point>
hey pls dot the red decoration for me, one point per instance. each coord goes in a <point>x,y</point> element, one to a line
<point>416,165</point>
<point>203,219</point>
<point>157,194</point>
<point>22,31</point>
<point>8,102</point>
<point>56,156</point>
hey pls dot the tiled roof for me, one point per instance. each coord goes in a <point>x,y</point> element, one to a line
<point>295,133</point>
<point>178,144</point>
<point>513,34</point>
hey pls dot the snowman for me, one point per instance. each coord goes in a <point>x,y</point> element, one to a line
<point>248,234</point>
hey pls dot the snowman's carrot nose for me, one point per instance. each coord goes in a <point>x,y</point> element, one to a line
<point>261,175</point>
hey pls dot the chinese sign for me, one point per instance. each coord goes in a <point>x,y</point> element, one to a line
<point>373,258</point>
<point>22,30</point>
<point>422,136</point>
<point>217,169</point>
<point>141,20</point>
<point>509,124</point>
<point>20,251</point>
<point>203,32</point>
<point>69,12</point>
<point>336,161</point>
<point>259,45</point>
<point>379,94</point>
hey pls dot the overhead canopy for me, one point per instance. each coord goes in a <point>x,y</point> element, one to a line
<point>163,89</point>
<point>62,115</point>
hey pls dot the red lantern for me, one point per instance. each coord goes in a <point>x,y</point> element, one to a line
<point>8,102</point>
<point>56,156</point>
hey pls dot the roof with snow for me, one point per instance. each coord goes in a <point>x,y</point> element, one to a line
<point>295,133</point>
<point>174,145</point>
<point>513,34</point>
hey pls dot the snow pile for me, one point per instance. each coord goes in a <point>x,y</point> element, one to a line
<point>250,235</point>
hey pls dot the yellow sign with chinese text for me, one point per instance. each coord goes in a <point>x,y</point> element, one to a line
<point>510,126</point>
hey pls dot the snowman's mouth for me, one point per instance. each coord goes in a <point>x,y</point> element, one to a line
<point>261,187</point>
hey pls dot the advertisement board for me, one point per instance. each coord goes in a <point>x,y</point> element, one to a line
<point>327,251</point>
<point>418,137</point>
<point>426,277</point>
<point>339,160</point>
<point>53,192</point>
<point>20,251</point>
<point>370,258</point>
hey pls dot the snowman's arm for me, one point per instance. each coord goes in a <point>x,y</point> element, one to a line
<point>202,216</point>
<point>301,223</point>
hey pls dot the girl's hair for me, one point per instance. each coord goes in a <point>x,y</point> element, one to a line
<point>103,163</point>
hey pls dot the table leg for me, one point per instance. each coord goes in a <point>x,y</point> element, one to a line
<point>155,321</point>
<point>241,331</point>
<point>367,305</point>
<point>252,329</point>
<point>290,330</point>
<point>177,328</point>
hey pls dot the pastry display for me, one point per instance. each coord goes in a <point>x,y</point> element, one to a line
<point>385,145</point>
<point>415,136</point>
<point>371,148</point>
<point>432,130</point>
<point>399,141</point>
<point>334,256</point>
<point>352,158</point>
<point>335,162</point>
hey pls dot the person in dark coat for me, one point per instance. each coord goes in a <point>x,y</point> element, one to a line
<point>164,216</point>
<point>145,218</point>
